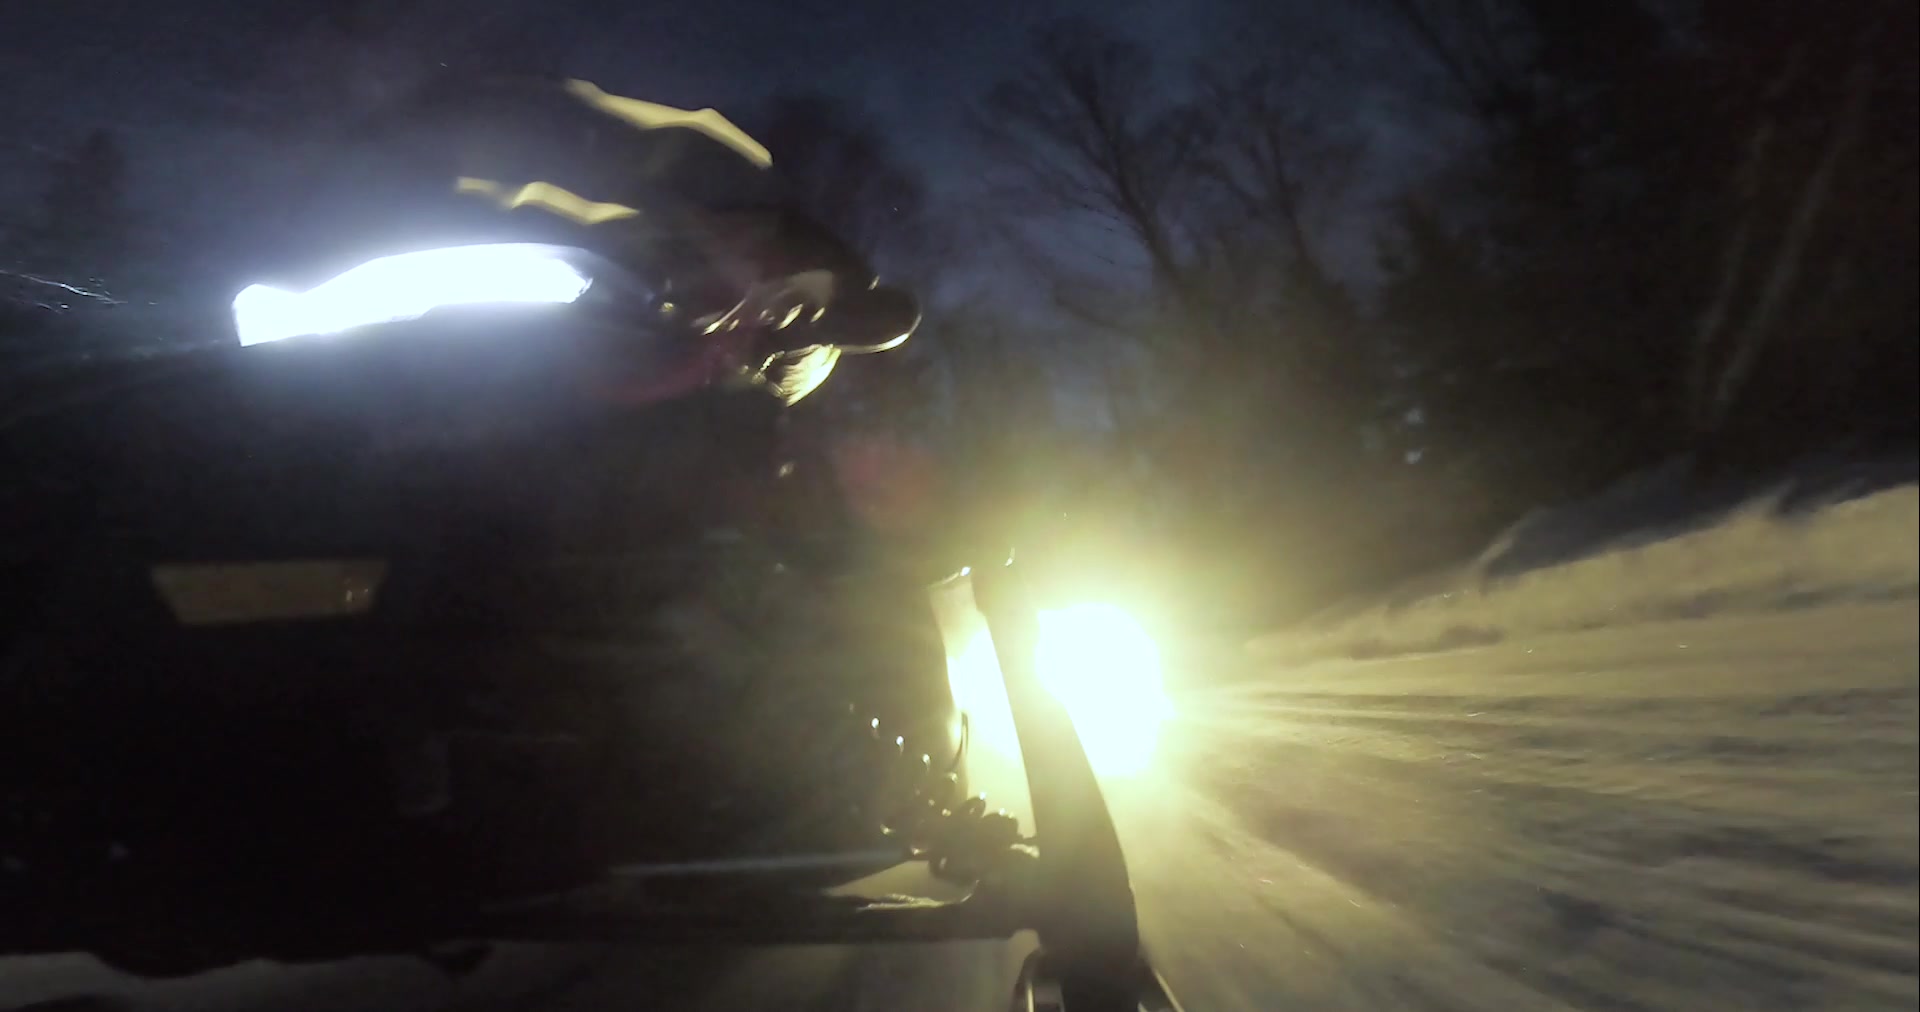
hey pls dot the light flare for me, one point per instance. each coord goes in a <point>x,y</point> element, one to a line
<point>407,286</point>
<point>1105,669</point>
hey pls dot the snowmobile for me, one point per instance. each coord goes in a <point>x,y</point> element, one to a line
<point>476,593</point>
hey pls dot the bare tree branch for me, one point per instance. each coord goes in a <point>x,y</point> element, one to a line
<point>1082,128</point>
<point>1472,43</point>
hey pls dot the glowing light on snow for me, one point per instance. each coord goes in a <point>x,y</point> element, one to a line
<point>1106,670</point>
<point>407,286</point>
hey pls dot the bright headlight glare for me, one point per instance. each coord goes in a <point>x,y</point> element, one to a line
<point>1105,669</point>
<point>407,286</point>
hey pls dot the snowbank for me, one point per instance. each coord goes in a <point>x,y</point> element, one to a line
<point>1782,550</point>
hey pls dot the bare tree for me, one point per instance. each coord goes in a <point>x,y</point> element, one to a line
<point>1479,48</point>
<point>1208,184</point>
<point>1269,168</point>
<point>1202,191</point>
<point>1090,144</point>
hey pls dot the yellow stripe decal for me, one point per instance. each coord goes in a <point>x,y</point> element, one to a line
<point>653,116</point>
<point>546,196</point>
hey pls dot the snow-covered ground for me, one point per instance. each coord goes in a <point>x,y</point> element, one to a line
<point>1679,775</point>
<point>1687,815</point>
<point>1675,775</point>
<point>1757,558</point>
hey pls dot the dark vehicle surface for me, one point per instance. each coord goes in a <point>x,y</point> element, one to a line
<point>414,615</point>
<point>435,612</point>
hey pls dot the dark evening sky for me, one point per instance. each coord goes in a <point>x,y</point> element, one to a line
<point>904,56</point>
<point>151,70</point>
<point>136,64</point>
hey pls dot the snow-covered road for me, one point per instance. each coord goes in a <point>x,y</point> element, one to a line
<point>1703,815</point>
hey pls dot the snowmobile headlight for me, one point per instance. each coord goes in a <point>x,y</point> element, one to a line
<point>1106,670</point>
<point>406,286</point>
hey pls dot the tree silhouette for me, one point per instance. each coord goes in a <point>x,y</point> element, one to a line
<point>1187,203</point>
<point>1689,230</point>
